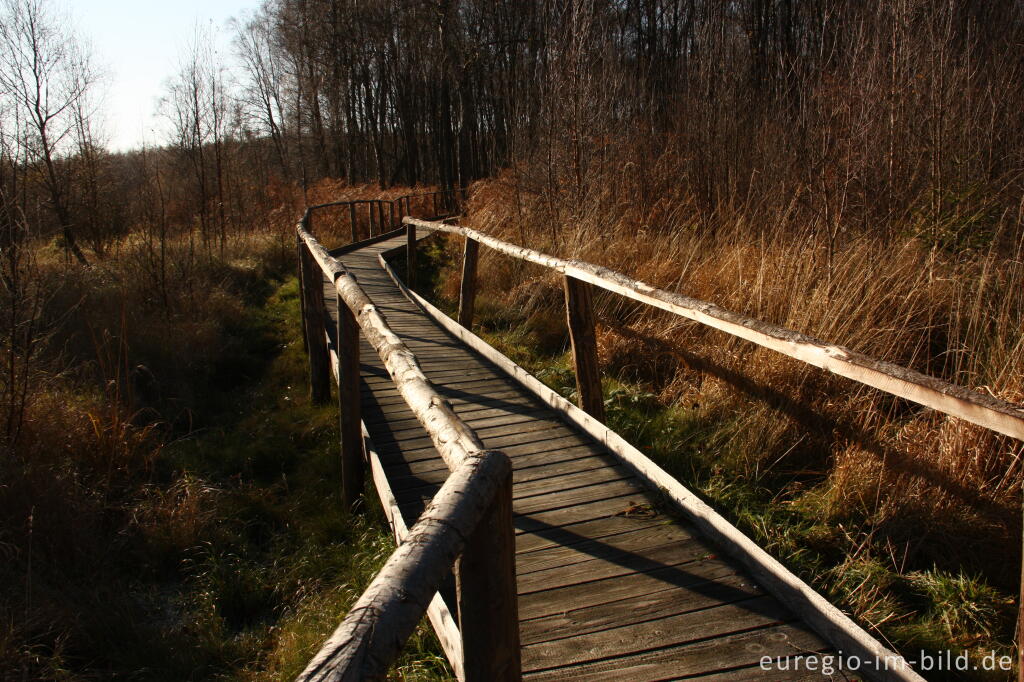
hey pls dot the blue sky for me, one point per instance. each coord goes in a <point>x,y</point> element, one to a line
<point>136,44</point>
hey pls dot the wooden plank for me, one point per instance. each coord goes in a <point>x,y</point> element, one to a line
<point>567,481</point>
<point>708,623</point>
<point>669,601</point>
<point>540,522</point>
<point>547,470</point>
<point>574,496</point>
<point>563,484</point>
<point>544,456</point>
<point>711,655</point>
<point>794,668</point>
<point>579,312</point>
<point>416,451</point>
<point>404,427</point>
<point>597,528</point>
<point>586,549</point>
<point>467,287</point>
<point>627,586</point>
<point>492,398</point>
<point>472,415</point>
<point>505,434</point>
<point>689,551</point>
<point>473,388</point>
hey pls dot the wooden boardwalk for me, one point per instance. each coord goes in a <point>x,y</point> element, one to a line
<point>608,587</point>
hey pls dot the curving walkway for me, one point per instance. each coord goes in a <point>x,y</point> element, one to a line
<point>609,587</point>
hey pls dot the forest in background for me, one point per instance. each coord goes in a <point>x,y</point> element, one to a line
<point>851,170</point>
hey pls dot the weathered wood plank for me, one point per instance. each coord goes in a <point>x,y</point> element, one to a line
<point>743,649</point>
<point>543,603</point>
<point>689,551</point>
<point>542,456</point>
<point>642,608</point>
<point>617,545</point>
<point>714,622</point>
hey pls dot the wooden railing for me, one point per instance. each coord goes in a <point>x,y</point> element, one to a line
<point>468,523</point>
<point>579,278</point>
<point>378,216</point>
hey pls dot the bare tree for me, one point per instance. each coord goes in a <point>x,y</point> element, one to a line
<point>44,73</point>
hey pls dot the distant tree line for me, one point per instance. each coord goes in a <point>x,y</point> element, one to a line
<point>878,109</point>
<point>863,113</point>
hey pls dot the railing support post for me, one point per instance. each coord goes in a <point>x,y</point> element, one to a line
<point>313,313</point>
<point>486,584</point>
<point>410,256</point>
<point>300,247</point>
<point>467,289</point>
<point>352,221</point>
<point>348,404</point>
<point>579,308</point>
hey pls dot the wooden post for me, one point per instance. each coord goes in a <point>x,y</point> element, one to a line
<point>410,256</point>
<point>352,221</point>
<point>391,215</point>
<point>348,404</point>
<point>316,342</point>
<point>579,308</point>
<point>300,247</point>
<point>467,289</point>
<point>486,586</point>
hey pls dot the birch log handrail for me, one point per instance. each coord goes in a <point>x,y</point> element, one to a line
<point>383,618</point>
<point>951,399</point>
<point>469,518</point>
<point>453,439</point>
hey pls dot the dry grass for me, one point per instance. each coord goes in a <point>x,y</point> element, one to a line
<point>913,489</point>
<point>164,509</point>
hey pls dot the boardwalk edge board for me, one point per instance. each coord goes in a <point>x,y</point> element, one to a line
<point>827,620</point>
